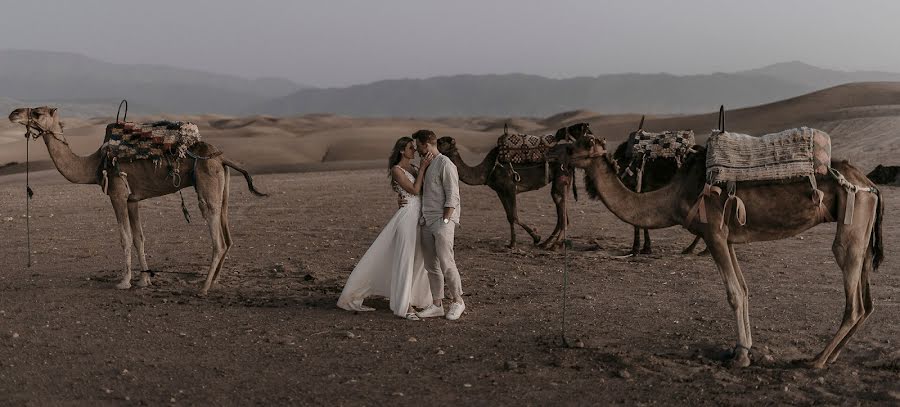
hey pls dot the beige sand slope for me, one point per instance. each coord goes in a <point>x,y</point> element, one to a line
<point>863,119</point>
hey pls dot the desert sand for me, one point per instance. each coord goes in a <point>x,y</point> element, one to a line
<point>654,329</point>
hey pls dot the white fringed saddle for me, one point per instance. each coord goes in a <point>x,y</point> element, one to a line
<point>792,154</point>
<point>800,152</point>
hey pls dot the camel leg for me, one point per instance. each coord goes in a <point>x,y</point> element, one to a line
<point>636,243</point>
<point>868,307</point>
<point>210,194</point>
<point>690,248</point>
<point>558,193</point>
<point>745,315</point>
<point>850,248</point>
<point>120,207</point>
<point>721,253</point>
<point>137,232</point>
<point>509,205</point>
<point>646,249</point>
<point>226,233</point>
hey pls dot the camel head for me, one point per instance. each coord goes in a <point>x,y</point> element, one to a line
<point>883,174</point>
<point>574,132</point>
<point>447,146</point>
<point>581,152</point>
<point>43,119</point>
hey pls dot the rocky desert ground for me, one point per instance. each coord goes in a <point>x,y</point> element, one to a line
<point>646,330</point>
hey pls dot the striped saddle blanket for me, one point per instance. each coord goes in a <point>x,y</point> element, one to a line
<point>668,144</point>
<point>524,148</point>
<point>154,141</point>
<point>800,152</point>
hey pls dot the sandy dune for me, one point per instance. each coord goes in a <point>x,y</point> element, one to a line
<point>862,119</point>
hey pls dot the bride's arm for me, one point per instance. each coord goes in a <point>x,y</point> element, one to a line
<point>414,188</point>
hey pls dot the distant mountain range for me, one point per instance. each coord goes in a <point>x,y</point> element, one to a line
<point>529,95</point>
<point>67,79</point>
<point>84,86</point>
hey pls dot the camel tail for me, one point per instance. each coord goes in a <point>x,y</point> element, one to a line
<point>574,186</point>
<point>228,163</point>
<point>877,237</point>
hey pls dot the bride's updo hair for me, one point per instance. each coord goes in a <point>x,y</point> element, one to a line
<point>397,153</point>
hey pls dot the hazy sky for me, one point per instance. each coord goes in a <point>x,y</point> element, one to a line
<point>343,42</point>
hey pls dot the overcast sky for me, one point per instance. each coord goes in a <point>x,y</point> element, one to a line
<point>344,42</point>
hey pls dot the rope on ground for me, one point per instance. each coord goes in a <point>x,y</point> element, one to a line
<point>567,244</point>
<point>28,194</point>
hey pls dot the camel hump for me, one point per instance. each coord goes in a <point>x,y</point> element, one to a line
<point>204,149</point>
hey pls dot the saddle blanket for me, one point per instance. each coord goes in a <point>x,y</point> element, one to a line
<point>524,148</point>
<point>668,144</point>
<point>133,141</point>
<point>799,152</point>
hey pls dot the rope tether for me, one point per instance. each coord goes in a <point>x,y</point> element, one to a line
<point>566,245</point>
<point>28,194</point>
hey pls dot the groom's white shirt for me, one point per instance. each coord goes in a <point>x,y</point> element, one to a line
<point>440,189</point>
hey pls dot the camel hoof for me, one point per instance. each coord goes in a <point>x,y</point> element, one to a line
<point>124,285</point>
<point>740,359</point>
<point>203,293</point>
<point>814,364</point>
<point>738,362</point>
<point>646,250</point>
<point>144,283</point>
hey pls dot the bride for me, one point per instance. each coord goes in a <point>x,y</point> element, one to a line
<point>393,266</point>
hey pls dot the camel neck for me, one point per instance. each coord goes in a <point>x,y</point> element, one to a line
<point>651,210</point>
<point>76,169</point>
<point>477,175</point>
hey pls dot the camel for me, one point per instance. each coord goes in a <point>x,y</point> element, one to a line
<point>884,174</point>
<point>774,210</point>
<point>656,174</point>
<point>141,180</point>
<point>508,181</point>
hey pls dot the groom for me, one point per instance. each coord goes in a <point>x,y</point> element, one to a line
<point>440,216</point>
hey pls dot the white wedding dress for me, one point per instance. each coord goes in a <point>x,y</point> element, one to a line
<point>393,266</point>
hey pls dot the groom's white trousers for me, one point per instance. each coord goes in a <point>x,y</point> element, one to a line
<point>437,251</point>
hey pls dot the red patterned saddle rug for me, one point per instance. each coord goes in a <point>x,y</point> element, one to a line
<point>524,148</point>
<point>149,141</point>
<point>668,144</point>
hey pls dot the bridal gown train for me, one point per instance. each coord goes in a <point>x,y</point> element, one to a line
<point>393,266</point>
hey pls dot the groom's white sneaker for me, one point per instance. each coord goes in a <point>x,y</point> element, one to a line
<point>456,310</point>
<point>431,311</point>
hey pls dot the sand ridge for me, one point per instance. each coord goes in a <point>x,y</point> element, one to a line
<point>861,118</point>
